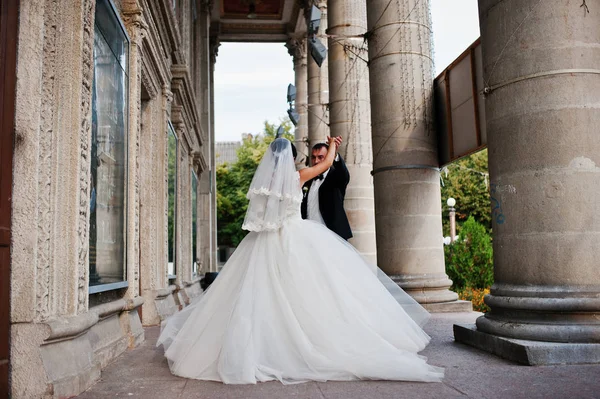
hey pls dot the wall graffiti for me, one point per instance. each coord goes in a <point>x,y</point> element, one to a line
<point>497,212</point>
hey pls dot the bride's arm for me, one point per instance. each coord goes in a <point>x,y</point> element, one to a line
<point>308,173</point>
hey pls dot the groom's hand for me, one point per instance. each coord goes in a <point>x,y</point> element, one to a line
<point>338,142</point>
<point>335,140</point>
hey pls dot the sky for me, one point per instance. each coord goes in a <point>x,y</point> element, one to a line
<point>251,79</point>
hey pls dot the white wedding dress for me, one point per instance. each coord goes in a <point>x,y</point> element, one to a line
<point>297,303</point>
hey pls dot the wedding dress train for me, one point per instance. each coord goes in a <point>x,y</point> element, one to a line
<point>297,303</point>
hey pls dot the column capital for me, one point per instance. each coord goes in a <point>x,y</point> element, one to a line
<point>214,44</point>
<point>297,48</point>
<point>135,23</point>
<point>167,93</point>
<point>167,98</point>
<point>307,4</point>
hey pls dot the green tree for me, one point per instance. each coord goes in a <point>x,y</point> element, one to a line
<point>467,181</point>
<point>233,182</point>
<point>470,264</point>
<point>469,260</point>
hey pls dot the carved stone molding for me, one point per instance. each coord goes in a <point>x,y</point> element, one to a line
<point>167,95</point>
<point>183,90</point>
<point>320,4</point>
<point>163,24</point>
<point>179,56</point>
<point>89,9</point>
<point>198,158</point>
<point>45,165</point>
<point>214,44</point>
<point>148,80</point>
<point>184,133</point>
<point>136,25</point>
<point>297,48</point>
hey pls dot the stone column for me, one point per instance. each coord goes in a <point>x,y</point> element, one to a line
<point>204,230</point>
<point>204,220</point>
<point>297,49</point>
<point>152,204</point>
<point>318,87</point>
<point>541,70</point>
<point>350,115</point>
<point>405,162</point>
<point>182,231</point>
<point>137,29</point>
<point>214,48</point>
<point>183,214</point>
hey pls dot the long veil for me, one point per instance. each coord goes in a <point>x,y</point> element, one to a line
<point>274,191</point>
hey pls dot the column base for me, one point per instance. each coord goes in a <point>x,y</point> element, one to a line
<point>531,353</point>
<point>449,307</point>
<point>431,291</point>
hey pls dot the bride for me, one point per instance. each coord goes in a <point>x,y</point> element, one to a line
<point>295,302</point>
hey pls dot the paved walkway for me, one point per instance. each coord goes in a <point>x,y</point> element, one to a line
<point>144,373</point>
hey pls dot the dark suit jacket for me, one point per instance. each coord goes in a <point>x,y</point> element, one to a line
<point>331,199</point>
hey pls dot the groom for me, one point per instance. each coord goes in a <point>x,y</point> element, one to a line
<point>323,199</point>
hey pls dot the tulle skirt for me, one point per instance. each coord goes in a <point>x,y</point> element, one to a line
<point>298,304</point>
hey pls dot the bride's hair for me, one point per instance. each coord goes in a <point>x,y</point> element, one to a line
<point>280,144</point>
<point>294,152</point>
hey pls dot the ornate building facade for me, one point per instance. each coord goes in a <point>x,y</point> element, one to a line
<point>113,217</point>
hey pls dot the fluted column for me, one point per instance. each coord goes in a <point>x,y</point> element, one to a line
<point>350,115</point>
<point>297,49</point>
<point>405,163</point>
<point>318,87</point>
<point>542,117</point>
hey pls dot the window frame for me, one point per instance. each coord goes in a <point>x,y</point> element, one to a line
<point>194,222</point>
<point>94,289</point>
<point>171,129</point>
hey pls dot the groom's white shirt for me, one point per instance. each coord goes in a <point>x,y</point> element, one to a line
<point>313,212</point>
<point>312,205</point>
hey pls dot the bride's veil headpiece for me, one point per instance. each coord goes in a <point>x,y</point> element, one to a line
<point>274,193</point>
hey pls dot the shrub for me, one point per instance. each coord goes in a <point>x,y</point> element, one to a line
<point>469,260</point>
<point>475,295</point>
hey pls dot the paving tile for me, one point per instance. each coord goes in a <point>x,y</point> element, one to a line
<point>267,390</point>
<point>135,389</point>
<point>144,373</point>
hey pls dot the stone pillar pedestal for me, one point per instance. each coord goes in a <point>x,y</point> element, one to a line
<point>407,183</point>
<point>350,115</point>
<point>541,68</point>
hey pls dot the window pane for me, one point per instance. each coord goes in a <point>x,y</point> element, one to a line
<point>108,150</point>
<point>194,222</point>
<point>172,153</point>
<point>112,32</point>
